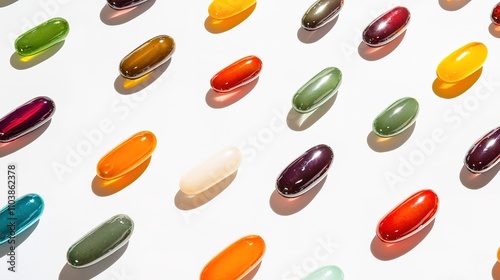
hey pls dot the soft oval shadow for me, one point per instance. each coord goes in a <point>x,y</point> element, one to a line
<point>216,26</point>
<point>23,141</point>
<point>102,187</point>
<point>188,202</point>
<point>220,100</point>
<point>20,238</point>
<point>389,251</point>
<point>475,181</point>
<point>376,53</point>
<point>125,86</point>
<point>494,30</point>
<point>111,16</point>
<point>285,206</point>
<point>495,271</point>
<point>25,62</point>
<point>311,36</point>
<point>299,122</point>
<point>452,5</point>
<point>380,144</point>
<point>452,90</point>
<point>5,3</point>
<point>252,273</point>
<point>70,273</point>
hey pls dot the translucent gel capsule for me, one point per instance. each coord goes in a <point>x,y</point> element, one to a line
<point>462,62</point>
<point>305,172</point>
<point>495,14</point>
<point>147,57</point>
<point>387,27</point>
<point>223,9</point>
<point>329,272</point>
<point>409,217</point>
<point>317,90</point>
<point>320,13</point>
<point>42,37</point>
<point>237,74</point>
<point>26,118</point>
<point>396,118</point>
<point>124,4</point>
<point>101,242</point>
<point>127,155</point>
<point>485,153</point>
<point>17,217</point>
<point>235,261</point>
<point>212,171</point>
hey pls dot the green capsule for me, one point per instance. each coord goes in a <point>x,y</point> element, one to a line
<point>329,272</point>
<point>101,242</point>
<point>396,118</point>
<point>317,90</point>
<point>42,37</point>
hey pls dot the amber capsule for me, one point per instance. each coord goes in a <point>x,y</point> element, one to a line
<point>147,57</point>
<point>237,74</point>
<point>223,9</point>
<point>462,62</point>
<point>127,155</point>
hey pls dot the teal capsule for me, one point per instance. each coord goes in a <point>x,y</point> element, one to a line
<point>317,90</point>
<point>329,272</point>
<point>101,242</point>
<point>396,118</point>
<point>42,37</point>
<point>17,217</point>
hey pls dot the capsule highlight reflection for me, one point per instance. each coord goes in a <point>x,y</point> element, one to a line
<point>223,9</point>
<point>462,62</point>
<point>42,37</point>
<point>28,210</point>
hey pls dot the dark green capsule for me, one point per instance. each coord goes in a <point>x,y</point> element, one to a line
<point>101,242</point>
<point>396,118</point>
<point>42,37</point>
<point>317,90</point>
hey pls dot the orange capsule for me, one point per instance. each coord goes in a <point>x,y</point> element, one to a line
<point>127,155</point>
<point>237,74</point>
<point>237,260</point>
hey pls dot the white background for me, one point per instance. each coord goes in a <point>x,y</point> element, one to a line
<point>335,224</point>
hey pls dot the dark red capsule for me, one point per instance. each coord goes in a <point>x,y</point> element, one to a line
<point>305,172</point>
<point>386,27</point>
<point>485,153</point>
<point>495,14</point>
<point>124,4</point>
<point>26,118</point>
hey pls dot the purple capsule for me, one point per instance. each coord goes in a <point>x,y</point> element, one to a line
<point>386,27</point>
<point>305,172</point>
<point>26,118</point>
<point>124,4</point>
<point>485,153</point>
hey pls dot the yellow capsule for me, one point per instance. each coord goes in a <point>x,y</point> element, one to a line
<point>127,155</point>
<point>462,62</point>
<point>223,9</point>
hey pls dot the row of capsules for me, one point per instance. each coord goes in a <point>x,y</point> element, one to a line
<point>402,222</point>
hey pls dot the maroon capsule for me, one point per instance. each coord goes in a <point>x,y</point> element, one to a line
<point>305,172</point>
<point>386,27</point>
<point>485,153</point>
<point>495,14</point>
<point>124,4</point>
<point>26,118</point>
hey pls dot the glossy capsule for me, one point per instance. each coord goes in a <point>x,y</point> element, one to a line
<point>237,74</point>
<point>305,172</point>
<point>386,27</point>
<point>396,118</point>
<point>409,217</point>
<point>320,13</point>
<point>19,216</point>
<point>317,90</point>
<point>26,118</point>
<point>100,242</point>
<point>127,155</point>
<point>329,272</point>
<point>211,171</point>
<point>124,4</point>
<point>485,153</point>
<point>42,37</point>
<point>462,62</point>
<point>223,9</point>
<point>237,260</point>
<point>495,14</point>
<point>147,57</point>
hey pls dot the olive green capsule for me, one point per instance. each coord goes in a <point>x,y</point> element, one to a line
<point>42,37</point>
<point>317,90</point>
<point>396,118</point>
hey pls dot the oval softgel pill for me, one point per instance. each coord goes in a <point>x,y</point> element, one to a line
<point>124,4</point>
<point>237,74</point>
<point>23,213</point>
<point>237,260</point>
<point>396,118</point>
<point>329,272</point>
<point>387,27</point>
<point>484,153</point>
<point>42,37</point>
<point>224,9</point>
<point>462,62</point>
<point>320,13</point>
<point>317,90</point>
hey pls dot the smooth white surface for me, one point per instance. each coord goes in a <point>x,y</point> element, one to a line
<point>338,225</point>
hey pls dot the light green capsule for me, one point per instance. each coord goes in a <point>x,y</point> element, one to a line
<point>396,118</point>
<point>42,37</point>
<point>329,272</point>
<point>317,90</point>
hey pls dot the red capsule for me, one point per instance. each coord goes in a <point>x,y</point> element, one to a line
<point>495,14</point>
<point>409,217</point>
<point>237,74</point>
<point>386,27</point>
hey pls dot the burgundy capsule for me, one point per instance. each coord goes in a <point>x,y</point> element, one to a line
<point>495,14</point>
<point>485,153</point>
<point>124,4</point>
<point>26,118</point>
<point>305,172</point>
<point>386,27</point>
